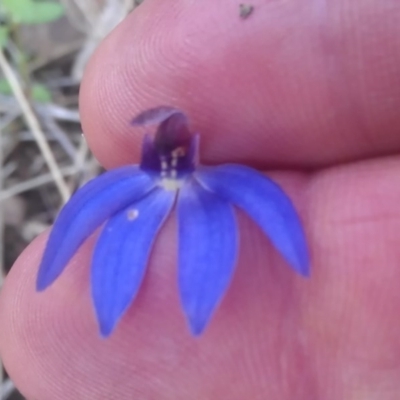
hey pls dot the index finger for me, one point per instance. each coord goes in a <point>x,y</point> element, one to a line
<point>294,84</point>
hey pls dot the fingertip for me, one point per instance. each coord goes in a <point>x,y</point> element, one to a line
<point>50,334</point>
<point>258,93</point>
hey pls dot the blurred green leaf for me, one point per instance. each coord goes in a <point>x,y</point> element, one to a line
<point>32,12</point>
<point>39,92</point>
<point>46,12</point>
<point>18,10</point>
<point>5,87</point>
<point>3,36</point>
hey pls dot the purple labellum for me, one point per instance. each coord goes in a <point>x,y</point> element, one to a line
<point>155,116</point>
<point>173,134</point>
<point>132,204</point>
<point>173,151</point>
<point>178,162</point>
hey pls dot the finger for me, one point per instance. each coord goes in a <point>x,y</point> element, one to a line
<point>296,83</point>
<point>275,335</point>
<point>152,353</point>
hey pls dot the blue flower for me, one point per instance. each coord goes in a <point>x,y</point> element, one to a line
<point>134,201</point>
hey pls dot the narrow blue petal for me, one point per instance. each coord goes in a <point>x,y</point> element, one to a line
<point>121,255</point>
<point>207,252</point>
<point>88,208</point>
<point>266,203</point>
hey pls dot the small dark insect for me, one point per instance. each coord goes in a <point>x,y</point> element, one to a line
<point>245,10</point>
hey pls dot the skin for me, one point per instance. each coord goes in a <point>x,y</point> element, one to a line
<point>307,91</point>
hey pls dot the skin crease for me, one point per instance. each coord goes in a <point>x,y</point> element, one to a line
<point>296,86</point>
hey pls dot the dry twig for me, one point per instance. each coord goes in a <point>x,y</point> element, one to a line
<point>6,389</point>
<point>34,126</point>
<point>1,251</point>
<point>38,181</point>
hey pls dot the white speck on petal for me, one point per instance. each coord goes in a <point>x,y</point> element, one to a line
<point>132,214</point>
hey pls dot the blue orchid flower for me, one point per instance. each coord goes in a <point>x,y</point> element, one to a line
<point>134,201</point>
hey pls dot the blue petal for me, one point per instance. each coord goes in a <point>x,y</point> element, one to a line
<point>207,252</point>
<point>266,203</point>
<point>85,212</point>
<point>121,256</point>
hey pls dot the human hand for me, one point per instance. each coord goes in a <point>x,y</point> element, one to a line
<point>298,86</point>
